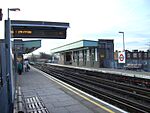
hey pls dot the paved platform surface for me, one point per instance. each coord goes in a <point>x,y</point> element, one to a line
<point>57,99</point>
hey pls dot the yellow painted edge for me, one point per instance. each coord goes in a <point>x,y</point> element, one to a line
<point>97,104</point>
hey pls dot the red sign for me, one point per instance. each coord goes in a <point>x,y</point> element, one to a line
<point>121,57</point>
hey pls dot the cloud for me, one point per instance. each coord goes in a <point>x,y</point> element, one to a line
<point>89,19</point>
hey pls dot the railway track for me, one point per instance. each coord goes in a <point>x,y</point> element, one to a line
<point>128,97</point>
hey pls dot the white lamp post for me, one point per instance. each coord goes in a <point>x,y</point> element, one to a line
<point>123,41</point>
<point>8,52</point>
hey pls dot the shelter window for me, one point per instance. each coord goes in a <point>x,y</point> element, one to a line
<point>80,55</point>
<point>88,55</point>
<point>128,55</point>
<point>102,45</point>
<point>140,55</point>
<point>149,55</point>
<point>95,54</point>
<point>109,46</point>
<point>145,55</point>
<point>134,55</point>
<point>68,56</point>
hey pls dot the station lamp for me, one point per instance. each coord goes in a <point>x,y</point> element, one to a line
<point>123,40</point>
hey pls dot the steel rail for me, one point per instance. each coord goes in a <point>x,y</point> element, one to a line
<point>90,87</point>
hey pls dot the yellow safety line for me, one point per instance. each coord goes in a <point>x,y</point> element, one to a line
<point>86,98</point>
<point>97,104</point>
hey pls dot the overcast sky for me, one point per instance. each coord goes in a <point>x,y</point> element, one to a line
<point>89,19</point>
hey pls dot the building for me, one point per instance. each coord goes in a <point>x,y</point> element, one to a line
<point>87,53</point>
<point>134,57</point>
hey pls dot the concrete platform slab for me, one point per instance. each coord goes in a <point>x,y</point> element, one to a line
<point>56,99</point>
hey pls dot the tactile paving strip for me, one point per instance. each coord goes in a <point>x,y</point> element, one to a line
<point>35,105</point>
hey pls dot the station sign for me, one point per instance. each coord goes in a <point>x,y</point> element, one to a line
<point>38,29</point>
<point>121,57</point>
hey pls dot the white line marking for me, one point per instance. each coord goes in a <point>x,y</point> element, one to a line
<point>71,88</point>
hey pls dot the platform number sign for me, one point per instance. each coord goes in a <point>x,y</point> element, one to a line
<point>121,57</point>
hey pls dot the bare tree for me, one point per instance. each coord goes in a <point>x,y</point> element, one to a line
<point>148,45</point>
<point>45,56</point>
<point>32,58</point>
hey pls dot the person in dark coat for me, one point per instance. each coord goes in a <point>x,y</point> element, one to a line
<point>20,68</point>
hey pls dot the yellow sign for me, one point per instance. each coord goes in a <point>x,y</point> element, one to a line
<point>21,32</point>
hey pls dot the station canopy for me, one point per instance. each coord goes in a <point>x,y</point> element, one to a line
<point>25,47</point>
<point>75,45</point>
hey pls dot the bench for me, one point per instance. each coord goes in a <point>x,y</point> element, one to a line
<point>133,66</point>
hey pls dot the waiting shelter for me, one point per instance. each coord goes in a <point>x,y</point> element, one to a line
<point>87,53</point>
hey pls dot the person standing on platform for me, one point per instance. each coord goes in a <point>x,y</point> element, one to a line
<point>19,68</point>
<point>26,65</point>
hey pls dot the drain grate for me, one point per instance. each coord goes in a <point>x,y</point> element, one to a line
<point>35,105</point>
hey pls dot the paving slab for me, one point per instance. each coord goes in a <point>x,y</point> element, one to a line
<point>56,100</point>
<point>54,97</point>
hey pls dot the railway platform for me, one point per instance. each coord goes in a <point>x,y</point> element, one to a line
<point>123,72</point>
<point>44,94</point>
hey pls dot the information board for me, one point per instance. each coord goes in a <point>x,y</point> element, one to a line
<point>38,29</point>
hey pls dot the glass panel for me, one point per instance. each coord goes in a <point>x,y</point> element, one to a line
<point>145,55</point>
<point>134,55</point>
<point>128,55</point>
